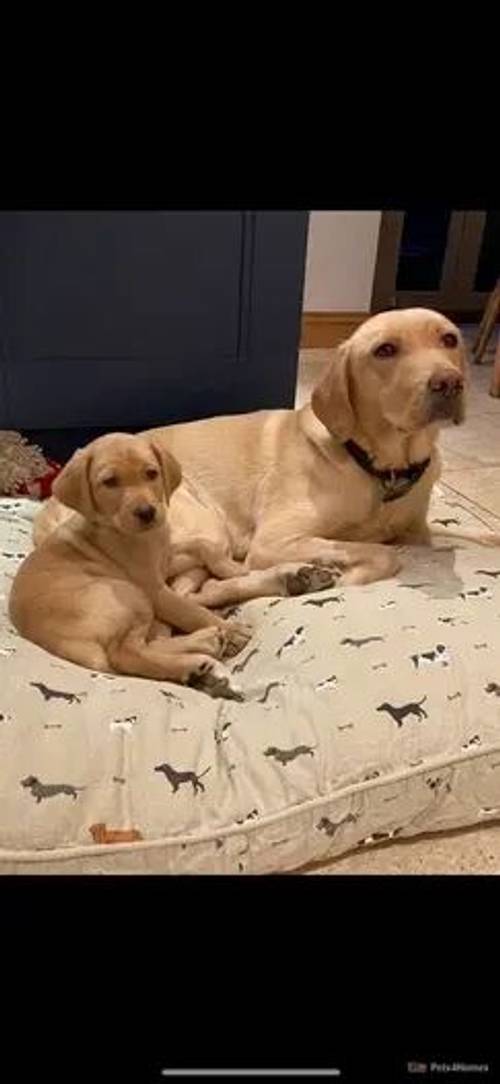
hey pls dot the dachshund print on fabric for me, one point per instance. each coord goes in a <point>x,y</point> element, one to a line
<point>331,827</point>
<point>56,694</point>
<point>320,602</point>
<point>327,683</point>
<point>284,756</point>
<point>48,790</point>
<point>240,666</point>
<point>349,641</point>
<point>171,696</point>
<point>297,637</point>
<point>399,714</point>
<point>102,834</point>
<point>269,688</point>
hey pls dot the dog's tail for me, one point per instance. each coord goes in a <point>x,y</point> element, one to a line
<point>205,772</point>
<point>481,538</point>
<point>422,701</point>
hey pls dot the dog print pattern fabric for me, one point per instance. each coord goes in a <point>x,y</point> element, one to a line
<point>366,714</point>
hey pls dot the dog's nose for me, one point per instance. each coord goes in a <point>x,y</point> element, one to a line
<point>446,384</point>
<point>145,513</point>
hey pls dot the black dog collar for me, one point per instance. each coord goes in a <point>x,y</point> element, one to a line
<point>394,483</point>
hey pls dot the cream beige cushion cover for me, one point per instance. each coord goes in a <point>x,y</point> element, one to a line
<point>367,713</point>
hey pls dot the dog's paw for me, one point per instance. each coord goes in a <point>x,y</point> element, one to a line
<point>209,641</point>
<point>309,578</point>
<point>236,636</point>
<point>210,678</point>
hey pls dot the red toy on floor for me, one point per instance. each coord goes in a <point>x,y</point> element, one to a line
<point>40,488</point>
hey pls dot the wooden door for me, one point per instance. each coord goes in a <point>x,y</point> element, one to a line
<point>446,260</point>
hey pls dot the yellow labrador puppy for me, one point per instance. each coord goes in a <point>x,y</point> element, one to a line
<point>326,484</point>
<point>95,590</point>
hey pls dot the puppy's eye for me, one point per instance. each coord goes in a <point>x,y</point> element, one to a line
<point>110,482</point>
<point>449,339</point>
<point>151,473</point>
<point>385,350</point>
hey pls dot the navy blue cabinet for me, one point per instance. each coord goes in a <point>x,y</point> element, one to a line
<point>111,319</point>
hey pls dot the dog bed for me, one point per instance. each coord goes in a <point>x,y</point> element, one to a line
<point>366,714</point>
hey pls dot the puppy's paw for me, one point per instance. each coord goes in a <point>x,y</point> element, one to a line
<point>236,636</point>
<point>308,578</point>
<point>214,679</point>
<point>210,641</point>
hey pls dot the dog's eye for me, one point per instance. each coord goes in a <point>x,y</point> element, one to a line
<point>449,339</point>
<point>385,350</point>
<point>110,482</point>
<point>151,473</point>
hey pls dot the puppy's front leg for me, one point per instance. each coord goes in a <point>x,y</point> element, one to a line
<point>187,615</point>
<point>184,614</point>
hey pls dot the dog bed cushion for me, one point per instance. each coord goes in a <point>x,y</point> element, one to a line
<point>367,713</point>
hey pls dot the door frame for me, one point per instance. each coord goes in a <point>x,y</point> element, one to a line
<point>455,295</point>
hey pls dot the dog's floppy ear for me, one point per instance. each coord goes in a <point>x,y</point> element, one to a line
<point>463,356</point>
<point>331,401</point>
<point>170,468</point>
<point>72,486</point>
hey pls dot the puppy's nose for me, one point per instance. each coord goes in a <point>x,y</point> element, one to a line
<point>446,384</point>
<point>145,513</point>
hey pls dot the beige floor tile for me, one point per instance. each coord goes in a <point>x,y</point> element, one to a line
<point>481,485</point>
<point>485,515</point>
<point>476,443</point>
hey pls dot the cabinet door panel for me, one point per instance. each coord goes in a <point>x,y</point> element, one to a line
<point>130,319</point>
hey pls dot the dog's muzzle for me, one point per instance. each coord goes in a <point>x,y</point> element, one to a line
<point>445,397</point>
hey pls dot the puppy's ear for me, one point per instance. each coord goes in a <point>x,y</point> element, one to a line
<point>170,468</point>
<point>331,401</point>
<point>72,486</point>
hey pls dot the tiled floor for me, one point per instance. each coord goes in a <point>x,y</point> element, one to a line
<point>471,468</point>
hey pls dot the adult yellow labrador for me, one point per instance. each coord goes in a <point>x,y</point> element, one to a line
<point>326,484</point>
<point>94,591</point>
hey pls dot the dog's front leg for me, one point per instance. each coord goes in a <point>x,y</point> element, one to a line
<point>357,562</point>
<point>182,613</point>
<point>417,534</point>
<point>187,615</point>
